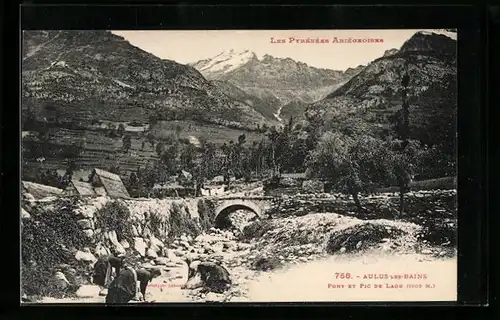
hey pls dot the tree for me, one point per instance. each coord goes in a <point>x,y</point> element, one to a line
<point>187,157</point>
<point>241,139</point>
<point>273,136</point>
<point>127,142</point>
<point>71,167</point>
<point>160,148</point>
<point>350,165</point>
<point>115,169</point>
<point>151,139</point>
<point>402,131</point>
<point>178,130</point>
<point>121,130</point>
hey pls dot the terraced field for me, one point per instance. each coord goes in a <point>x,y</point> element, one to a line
<point>103,151</point>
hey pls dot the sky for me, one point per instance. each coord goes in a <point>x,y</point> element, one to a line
<point>194,45</point>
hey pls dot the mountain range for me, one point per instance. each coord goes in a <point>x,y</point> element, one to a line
<point>98,75</point>
<point>370,99</point>
<point>277,82</point>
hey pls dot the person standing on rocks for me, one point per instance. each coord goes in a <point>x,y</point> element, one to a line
<point>103,269</point>
<point>124,287</point>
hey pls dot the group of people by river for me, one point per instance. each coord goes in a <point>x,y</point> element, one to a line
<point>125,283</point>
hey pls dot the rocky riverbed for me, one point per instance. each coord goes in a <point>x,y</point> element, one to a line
<point>296,258</point>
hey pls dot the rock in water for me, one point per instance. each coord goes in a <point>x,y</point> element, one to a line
<point>88,291</point>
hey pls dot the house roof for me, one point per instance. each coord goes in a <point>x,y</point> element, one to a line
<point>83,188</point>
<point>40,190</point>
<point>112,183</point>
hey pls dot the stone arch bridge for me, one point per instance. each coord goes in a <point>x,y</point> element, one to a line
<point>259,205</point>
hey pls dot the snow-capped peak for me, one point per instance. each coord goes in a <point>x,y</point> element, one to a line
<point>226,61</point>
<point>444,32</point>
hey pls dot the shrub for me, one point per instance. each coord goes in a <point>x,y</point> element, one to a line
<point>41,249</point>
<point>180,222</point>
<point>206,211</point>
<point>158,224</point>
<point>439,232</point>
<point>256,229</point>
<point>265,264</point>
<point>359,237</point>
<point>60,223</point>
<point>115,216</point>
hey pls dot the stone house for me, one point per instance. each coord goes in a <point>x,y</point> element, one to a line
<point>79,188</point>
<point>107,183</point>
<point>100,183</point>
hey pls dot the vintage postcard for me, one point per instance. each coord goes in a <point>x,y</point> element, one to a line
<point>239,166</point>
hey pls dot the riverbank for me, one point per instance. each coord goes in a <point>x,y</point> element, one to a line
<point>315,257</point>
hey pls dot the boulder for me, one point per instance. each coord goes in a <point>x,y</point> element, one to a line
<point>85,256</point>
<point>150,253</point>
<point>135,233</point>
<point>113,238</point>
<point>89,233</point>
<point>140,246</point>
<point>212,296</point>
<point>172,256</point>
<point>100,250</point>
<point>25,214</point>
<point>88,291</point>
<point>162,261</point>
<point>157,242</point>
<point>218,247</point>
<point>244,246</point>
<point>29,197</point>
<point>85,224</point>
<point>60,281</point>
<point>118,249</point>
<point>146,233</point>
<point>125,244</point>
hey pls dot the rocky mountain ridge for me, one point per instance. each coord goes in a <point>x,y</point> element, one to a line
<point>370,99</point>
<point>276,81</point>
<point>99,75</point>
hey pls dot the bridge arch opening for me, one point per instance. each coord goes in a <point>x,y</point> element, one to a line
<point>225,220</point>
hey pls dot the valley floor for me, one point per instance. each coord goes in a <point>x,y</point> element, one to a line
<point>400,267</point>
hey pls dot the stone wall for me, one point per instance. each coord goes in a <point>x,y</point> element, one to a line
<point>419,203</point>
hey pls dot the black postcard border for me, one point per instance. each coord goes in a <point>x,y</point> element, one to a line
<point>472,179</point>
